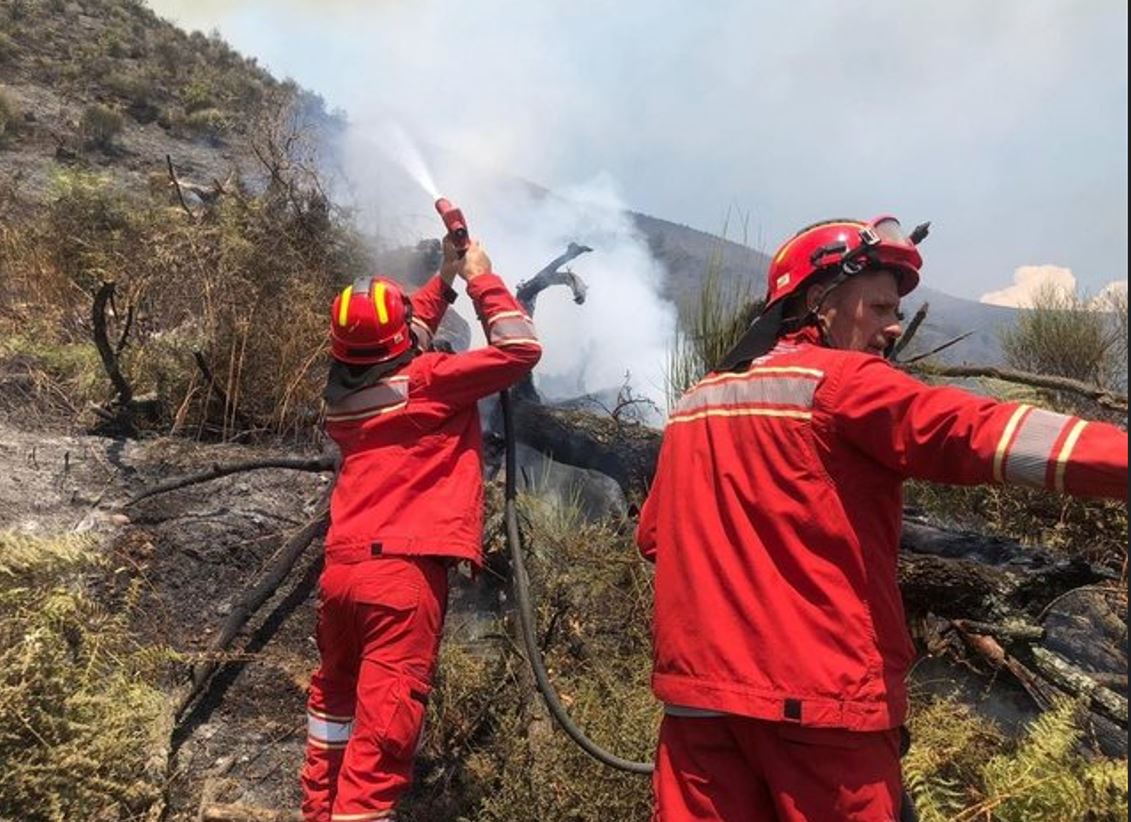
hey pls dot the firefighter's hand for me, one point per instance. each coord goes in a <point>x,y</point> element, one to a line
<point>474,262</point>
<point>449,268</point>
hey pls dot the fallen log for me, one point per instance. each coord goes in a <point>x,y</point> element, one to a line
<point>624,451</point>
<point>1098,394</point>
<point>1068,677</point>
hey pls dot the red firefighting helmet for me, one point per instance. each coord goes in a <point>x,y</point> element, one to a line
<point>839,249</point>
<point>848,247</point>
<point>369,322</point>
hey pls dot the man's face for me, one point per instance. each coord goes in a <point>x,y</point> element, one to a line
<point>863,313</point>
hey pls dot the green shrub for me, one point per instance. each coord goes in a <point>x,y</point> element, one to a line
<point>79,713</point>
<point>1061,333</point>
<point>100,125</point>
<point>130,86</point>
<point>961,769</point>
<point>207,122</point>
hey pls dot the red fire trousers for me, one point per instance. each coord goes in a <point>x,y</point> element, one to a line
<point>736,769</point>
<point>379,627</point>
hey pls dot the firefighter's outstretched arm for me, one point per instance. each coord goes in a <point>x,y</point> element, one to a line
<point>947,435</point>
<point>512,350</point>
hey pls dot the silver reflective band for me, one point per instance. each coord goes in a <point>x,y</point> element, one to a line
<point>380,398</point>
<point>328,731</point>
<point>1028,459</point>
<point>768,391</point>
<point>510,327</point>
<point>423,334</point>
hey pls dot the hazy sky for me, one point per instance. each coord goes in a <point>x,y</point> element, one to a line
<point>1003,122</point>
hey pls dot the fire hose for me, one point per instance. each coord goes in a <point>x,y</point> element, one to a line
<point>521,581</point>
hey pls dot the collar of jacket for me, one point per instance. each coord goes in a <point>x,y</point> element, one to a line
<point>344,378</point>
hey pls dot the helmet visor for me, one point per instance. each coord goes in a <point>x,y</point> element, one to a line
<point>889,230</point>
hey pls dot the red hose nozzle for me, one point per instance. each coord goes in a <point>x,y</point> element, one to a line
<point>455,223</point>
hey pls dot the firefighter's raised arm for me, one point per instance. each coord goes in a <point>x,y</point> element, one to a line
<point>512,348</point>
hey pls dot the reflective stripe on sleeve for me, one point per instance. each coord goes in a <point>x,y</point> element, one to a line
<point>1006,438</point>
<point>1028,457</point>
<point>380,398</point>
<point>1066,453</point>
<point>510,328</point>
<point>423,334</point>
<point>388,815</point>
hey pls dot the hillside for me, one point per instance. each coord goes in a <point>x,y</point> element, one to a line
<point>106,86</point>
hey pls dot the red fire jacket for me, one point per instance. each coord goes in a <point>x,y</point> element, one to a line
<point>775,515</point>
<point>411,478</point>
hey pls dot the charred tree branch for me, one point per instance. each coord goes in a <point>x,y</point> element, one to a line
<point>125,335</point>
<point>252,599</point>
<point>527,292</point>
<point>177,185</point>
<point>912,328</point>
<point>318,464</point>
<point>1102,396</point>
<point>102,342</point>
<point>938,349</point>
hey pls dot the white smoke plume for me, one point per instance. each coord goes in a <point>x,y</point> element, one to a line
<point>624,326</point>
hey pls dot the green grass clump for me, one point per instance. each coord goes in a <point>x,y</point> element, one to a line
<point>78,710</point>
<point>100,125</point>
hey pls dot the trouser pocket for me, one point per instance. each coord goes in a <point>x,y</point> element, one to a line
<point>403,714</point>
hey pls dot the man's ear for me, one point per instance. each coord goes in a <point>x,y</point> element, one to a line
<point>813,297</point>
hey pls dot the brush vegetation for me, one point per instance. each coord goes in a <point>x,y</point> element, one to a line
<point>242,287</point>
<point>80,709</point>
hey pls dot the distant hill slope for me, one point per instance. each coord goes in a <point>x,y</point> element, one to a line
<point>109,87</point>
<point>686,252</point>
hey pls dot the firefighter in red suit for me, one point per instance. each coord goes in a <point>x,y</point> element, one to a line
<point>780,644</point>
<point>408,502</point>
